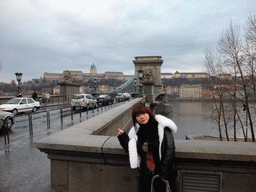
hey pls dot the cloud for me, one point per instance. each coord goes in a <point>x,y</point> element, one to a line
<point>53,35</point>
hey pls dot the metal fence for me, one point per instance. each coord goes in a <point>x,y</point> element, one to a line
<point>65,110</point>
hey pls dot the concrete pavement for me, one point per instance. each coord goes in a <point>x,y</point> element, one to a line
<point>23,168</point>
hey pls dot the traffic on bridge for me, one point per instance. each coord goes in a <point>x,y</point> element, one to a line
<point>40,120</point>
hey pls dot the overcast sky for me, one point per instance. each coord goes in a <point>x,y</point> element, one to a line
<point>40,36</point>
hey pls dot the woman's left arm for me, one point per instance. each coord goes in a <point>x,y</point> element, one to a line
<point>168,155</point>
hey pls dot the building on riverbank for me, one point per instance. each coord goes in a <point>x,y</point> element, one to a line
<point>191,75</point>
<point>190,91</point>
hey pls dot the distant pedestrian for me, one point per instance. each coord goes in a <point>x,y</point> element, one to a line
<point>43,97</point>
<point>47,97</point>
<point>34,95</point>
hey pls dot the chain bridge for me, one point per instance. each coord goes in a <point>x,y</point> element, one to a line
<point>146,79</point>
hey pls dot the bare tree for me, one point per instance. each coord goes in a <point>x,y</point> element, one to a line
<point>232,50</point>
<point>237,58</point>
<point>250,34</point>
<point>214,68</point>
<point>250,51</point>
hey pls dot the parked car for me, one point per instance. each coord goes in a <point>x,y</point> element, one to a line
<point>105,100</point>
<point>120,97</point>
<point>6,119</point>
<point>84,100</point>
<point>20,104</point>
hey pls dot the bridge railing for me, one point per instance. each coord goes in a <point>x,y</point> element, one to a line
<point>53,116</point>
<point>88,157</point>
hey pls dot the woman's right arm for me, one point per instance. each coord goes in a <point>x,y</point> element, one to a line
<point>123,139</point>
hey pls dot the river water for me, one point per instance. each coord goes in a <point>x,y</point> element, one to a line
<point>194,119</point>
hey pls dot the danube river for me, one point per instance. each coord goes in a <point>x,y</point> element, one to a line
<point>194,118</point>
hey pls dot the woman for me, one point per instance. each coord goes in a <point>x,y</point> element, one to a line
<point>151,149</point>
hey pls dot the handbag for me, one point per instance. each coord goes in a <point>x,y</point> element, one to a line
<point>168,189</point>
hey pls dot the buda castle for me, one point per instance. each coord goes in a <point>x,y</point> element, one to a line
<point>80,76</point>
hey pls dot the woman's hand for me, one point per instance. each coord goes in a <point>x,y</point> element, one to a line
<point>120,132</point>
<point>164,180</point>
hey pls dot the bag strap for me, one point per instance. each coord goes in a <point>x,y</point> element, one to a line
<point>168,189</point>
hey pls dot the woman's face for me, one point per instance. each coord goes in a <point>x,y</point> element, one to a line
<point>142,118</point>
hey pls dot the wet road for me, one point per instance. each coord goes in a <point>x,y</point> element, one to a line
<point>24,168</point>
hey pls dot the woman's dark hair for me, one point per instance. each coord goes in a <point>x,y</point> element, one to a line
<point>141,108</point>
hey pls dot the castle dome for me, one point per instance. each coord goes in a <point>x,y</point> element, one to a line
<point>93,66</point>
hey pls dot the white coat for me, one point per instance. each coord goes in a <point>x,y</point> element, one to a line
<point>132,145</point>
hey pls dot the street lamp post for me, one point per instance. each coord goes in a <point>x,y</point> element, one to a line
<point>114,89</point>
<point>135,86</point>
<point>95,82</point>
<point>18,77</point>
<point>140,73</point>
